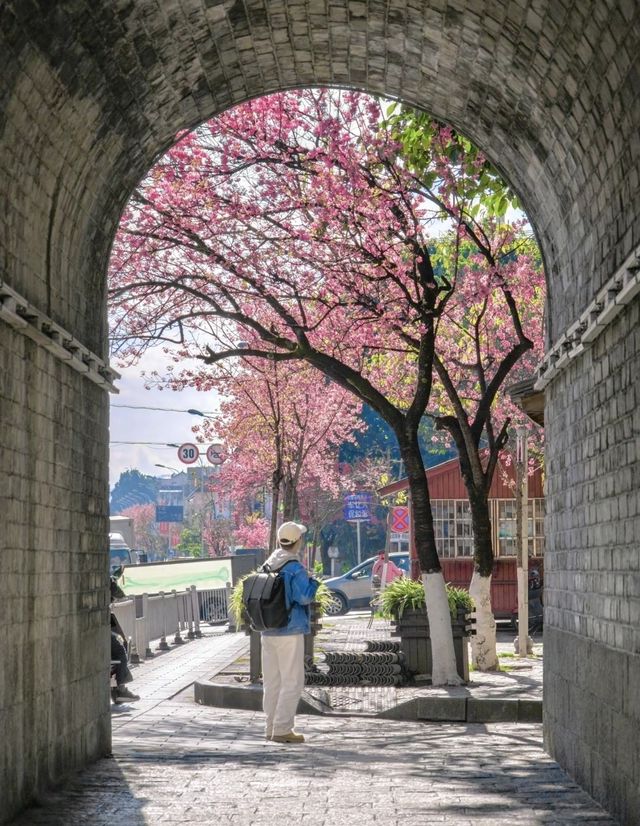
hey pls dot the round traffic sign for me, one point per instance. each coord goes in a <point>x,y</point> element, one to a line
<point>188,453</point>
<point>214,454</point>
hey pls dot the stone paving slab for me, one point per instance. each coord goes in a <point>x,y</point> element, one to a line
<point>180,764</point>
<point>176,762</point>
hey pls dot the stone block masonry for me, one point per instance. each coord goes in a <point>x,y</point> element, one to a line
<point>54,638</point>
<point>91,92</point>
<point>592,568</point>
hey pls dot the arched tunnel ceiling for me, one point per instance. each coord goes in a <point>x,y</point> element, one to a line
<point>93,91</point>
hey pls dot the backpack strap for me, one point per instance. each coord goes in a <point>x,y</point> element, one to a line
<point>267,569</point>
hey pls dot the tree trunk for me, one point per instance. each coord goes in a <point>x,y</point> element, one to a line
<point>483,643</point>
<point>445,671</point>
<point>484,654</point>
<point>275,504</point>
<point>289,499</point>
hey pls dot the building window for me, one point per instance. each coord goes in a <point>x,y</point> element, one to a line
<point>452,527</point>
<point>506,519</point>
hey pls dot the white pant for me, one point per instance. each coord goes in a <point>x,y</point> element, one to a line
<point>283,680</point>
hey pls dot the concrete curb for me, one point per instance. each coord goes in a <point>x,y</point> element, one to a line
<point>436,709</point>
<point>467,710</point>
<point>246,698</point>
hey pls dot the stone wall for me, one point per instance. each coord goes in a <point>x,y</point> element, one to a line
<point>592,568</point>
<point>54,688</point>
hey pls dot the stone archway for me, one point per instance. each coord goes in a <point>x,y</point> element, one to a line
<point>90,95</point>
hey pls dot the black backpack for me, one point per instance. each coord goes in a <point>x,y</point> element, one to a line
<point>263,598</point>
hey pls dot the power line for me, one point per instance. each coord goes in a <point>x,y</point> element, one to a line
<point>162,409</point>
<point>157,444</point>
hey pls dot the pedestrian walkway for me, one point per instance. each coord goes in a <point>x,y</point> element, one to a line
<point>176,762</point>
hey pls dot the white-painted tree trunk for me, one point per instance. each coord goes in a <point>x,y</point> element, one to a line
<point>484,656</point>
<point>444,659</point>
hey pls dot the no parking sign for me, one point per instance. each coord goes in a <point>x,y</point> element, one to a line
<point>400,519</point>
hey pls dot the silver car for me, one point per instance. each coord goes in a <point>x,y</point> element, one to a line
<point>353,589</point>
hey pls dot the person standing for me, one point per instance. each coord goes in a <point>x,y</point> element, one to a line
<point>384,571</point>
<point>283,648</point>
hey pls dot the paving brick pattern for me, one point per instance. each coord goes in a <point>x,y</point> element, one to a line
<point>179,763</point>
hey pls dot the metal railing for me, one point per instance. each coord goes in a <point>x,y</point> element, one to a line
<point>214,605</point>
<point>175,614</point>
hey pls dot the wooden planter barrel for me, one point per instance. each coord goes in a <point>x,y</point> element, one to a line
<point>413,629</point>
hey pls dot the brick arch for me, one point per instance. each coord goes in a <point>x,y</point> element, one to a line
<point>105,93</point>
<point>91,93</point>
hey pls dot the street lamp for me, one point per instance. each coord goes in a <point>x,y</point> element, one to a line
<point>166,467</point>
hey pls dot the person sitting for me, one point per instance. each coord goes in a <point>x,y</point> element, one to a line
<point>119,655</point>
<point>121,694</point>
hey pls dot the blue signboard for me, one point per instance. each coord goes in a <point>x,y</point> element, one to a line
<point>169,513</point>
<point>357,507</point>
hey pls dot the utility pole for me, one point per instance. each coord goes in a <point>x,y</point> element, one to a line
<point>522,540</point>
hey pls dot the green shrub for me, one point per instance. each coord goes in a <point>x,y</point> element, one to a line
<point>405,593</point>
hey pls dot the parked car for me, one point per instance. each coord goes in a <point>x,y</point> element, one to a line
<point>353,589</point>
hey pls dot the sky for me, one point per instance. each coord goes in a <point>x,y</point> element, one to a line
<point>148,432</point>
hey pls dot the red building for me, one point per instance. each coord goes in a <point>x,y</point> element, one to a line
<point>454,536</point>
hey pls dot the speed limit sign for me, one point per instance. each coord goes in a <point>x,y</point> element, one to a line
<point>188,453</point>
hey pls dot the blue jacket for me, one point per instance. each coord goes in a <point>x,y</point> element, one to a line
<point>300,589</point>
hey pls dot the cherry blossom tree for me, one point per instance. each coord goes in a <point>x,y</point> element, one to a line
<point>492,331</point>
<point>489,330</point>
<point>253,532</point>
<point>282,425</point>
<point>294,224</point>
<point>145,529</point>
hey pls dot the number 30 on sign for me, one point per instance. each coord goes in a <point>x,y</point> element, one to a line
<point>188,453</point>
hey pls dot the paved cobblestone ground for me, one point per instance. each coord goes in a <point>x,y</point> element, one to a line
<point>179,763</point>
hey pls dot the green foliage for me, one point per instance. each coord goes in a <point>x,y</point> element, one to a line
<point>132,488</point>
<point>323,598</point>
<point>458,598</point>
<point>400,594</point>
<point>479,182</point>
<point>236,608</point>
<point>405,593</point>
<point>190,542</point>
<point>378,439</point>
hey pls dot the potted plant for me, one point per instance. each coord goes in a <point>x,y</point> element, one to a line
<point>403,602</point>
